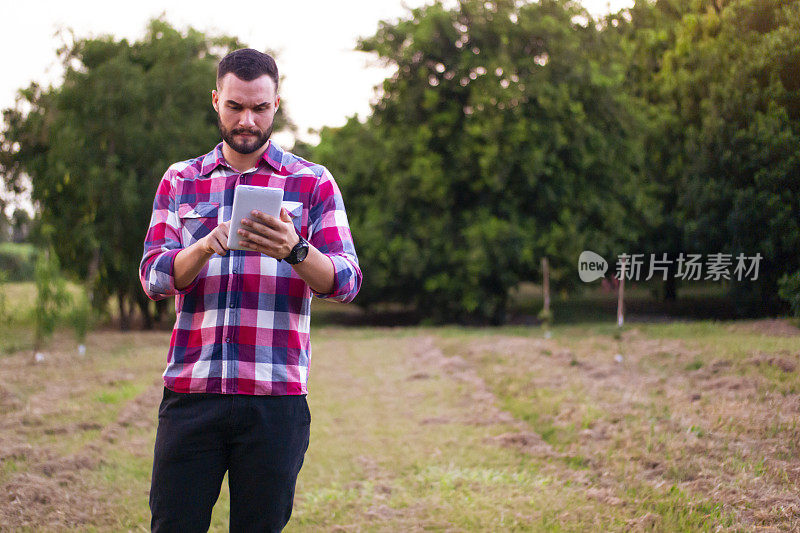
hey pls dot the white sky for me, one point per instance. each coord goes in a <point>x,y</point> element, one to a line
<point>325,80</point>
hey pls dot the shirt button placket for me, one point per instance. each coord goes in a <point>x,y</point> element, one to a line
<point>234,284</point>
<point>231,293</point>
<point>235,287</point>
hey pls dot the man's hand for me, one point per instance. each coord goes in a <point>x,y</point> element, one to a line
<point>191,260</point>
<point>217,240</point>
<point>272,236</point>
<point>276,237</point>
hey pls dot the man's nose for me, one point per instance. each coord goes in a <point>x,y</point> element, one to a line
<point>246,119</point>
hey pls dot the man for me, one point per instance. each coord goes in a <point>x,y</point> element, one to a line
<point>237,367</point>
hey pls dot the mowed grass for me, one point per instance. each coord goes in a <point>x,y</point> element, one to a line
<point>666,427</point>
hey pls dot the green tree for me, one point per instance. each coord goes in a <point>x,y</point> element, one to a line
<point>724,79</point>
<point>645,32</point>
<point>96,146</point>
<point>789,290</point>
<point>504,135</point>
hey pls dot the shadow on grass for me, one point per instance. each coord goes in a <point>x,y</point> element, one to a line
<point>594,306</point>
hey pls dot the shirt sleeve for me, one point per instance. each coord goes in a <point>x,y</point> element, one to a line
<point>329,232</point>
<point>161,244</point>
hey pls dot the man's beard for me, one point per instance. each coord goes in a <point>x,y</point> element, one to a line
<point>241,146</point>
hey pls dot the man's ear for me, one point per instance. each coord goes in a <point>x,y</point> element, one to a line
<point>215,100</point>
<point>277,101</point>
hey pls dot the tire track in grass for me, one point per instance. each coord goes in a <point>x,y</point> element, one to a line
<point>598,410</point>
<point>53,491</point>
<point>55,440</point>
<point>406,440</point>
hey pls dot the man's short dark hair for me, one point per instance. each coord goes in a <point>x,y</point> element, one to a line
<point>248,64</point>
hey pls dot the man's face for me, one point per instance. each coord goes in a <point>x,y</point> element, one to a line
<point>245,111</point>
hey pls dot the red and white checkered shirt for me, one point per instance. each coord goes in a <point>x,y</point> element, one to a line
<point>243,325</point>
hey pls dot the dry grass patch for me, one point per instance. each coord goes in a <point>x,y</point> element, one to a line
<point>647,416</point>
<point>64,418</point>
<point>680,427</point>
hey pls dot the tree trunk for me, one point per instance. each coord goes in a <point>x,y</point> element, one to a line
<point>131,310</point>
<point>670,288</point>
<point>124,318</point>
<point>93,273</point>
<point>144,307</point>
<point>161,308</point>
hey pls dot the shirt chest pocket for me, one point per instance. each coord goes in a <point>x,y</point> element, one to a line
<point>197,220</point>
<point>295,210</point>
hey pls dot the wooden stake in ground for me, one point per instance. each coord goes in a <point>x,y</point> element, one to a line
<point>620,301</point>
<point>545,316</point>
<point>546,285</point>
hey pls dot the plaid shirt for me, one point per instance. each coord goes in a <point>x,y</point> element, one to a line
<point>243,324</point>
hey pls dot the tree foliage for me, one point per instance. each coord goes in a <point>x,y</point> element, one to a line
<point>96,146</point>
<point>504,135</point>
<point>513,131</point>
<point>723,79</point>
<point>509,131</point>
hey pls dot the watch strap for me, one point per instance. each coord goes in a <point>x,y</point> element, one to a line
<point>298,253</point>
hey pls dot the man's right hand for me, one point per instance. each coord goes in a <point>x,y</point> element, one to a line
<point>191,260</point>
<point>216,242</point>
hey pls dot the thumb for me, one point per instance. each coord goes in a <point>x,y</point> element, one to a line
<point>285,215</point>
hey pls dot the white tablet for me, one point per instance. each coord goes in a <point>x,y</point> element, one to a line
<point>246,198</point>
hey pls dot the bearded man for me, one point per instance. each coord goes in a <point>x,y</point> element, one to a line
<point>237,367</point>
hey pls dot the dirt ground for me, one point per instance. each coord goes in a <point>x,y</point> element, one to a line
<point>61,417</point>
<point>709,423</point>
<point>645,412</point>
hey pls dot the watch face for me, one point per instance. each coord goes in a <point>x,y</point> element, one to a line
<point>302,253</point>
<point>298,253</point>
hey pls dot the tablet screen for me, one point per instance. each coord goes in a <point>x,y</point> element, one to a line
<point>247,198</point>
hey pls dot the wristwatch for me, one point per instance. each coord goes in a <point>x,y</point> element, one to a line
<point>298,253</point>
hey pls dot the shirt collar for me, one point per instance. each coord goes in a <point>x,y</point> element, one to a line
<point>273,156</point>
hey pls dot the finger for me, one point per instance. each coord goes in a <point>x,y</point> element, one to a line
<point>266,219</point>
<point>216,246</point>
<point>223,242</point>
<point>222,238</point>
<point>225,228</point>
<point>257,239</point>
<point>285,215</point>
<point>250,245</point>
<point>258,228</point>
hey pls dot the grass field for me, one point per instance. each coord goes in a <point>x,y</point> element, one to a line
<point>687,426</point>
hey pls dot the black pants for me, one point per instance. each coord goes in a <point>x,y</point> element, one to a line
<point>259,440</point>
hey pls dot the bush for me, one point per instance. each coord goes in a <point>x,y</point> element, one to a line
<point>789,290</point>
<point>51,296</point>
<point>17,260</point>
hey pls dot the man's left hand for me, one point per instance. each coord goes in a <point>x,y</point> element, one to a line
<point>269,235</point>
